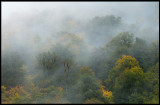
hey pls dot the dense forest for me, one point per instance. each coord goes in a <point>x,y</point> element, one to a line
<point>100,60</point>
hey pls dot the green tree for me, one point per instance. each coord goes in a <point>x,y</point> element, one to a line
<point>126,79</point>
<point>87,87</point>
<point>142,53</point>
<point>120,66</point>
<point>13,72</point>
<point>103,59</point>
<point>48,61</point>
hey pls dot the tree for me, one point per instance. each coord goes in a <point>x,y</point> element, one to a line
<point>12,69</point>
<point>153,84</point>
<point>120,66</point>
<point>87,87</point>
<point>48,61</point>
<point>93,101</point>
<point>103,27</point>
<point>126,78</point>
<point>129,81</point>
<point>154,51</point>
<point>14,95</point>
<point>140,51</point>
<point>136,98</point>
<point>122,39</point>
<point>103,59</point>
<point>50,94</point>
<point>107,94</point>
<point>67,63</point>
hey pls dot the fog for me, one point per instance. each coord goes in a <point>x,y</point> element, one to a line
<point>140,14</point>
<point>72,30</point>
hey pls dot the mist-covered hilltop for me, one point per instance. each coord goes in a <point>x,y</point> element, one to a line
<point>80,52</point>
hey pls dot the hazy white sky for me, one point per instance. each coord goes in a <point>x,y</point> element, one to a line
<point>80,9</point>
<point>14,14</point>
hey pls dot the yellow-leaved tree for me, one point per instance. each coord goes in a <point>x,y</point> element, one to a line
<point>14,95</point>
<point>126,79</point>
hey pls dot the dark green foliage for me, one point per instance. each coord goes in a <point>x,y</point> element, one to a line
<point>103,59</point>
<point>12,69</point>
<point>48,61</point>
<point>87,87</point>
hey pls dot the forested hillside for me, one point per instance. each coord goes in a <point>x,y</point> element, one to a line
<point>98,60</point>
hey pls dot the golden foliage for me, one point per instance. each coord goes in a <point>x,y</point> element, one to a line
<point>14,95</point>
<point>3,88</point>
<point>127,62</point>
<point>106,93</point>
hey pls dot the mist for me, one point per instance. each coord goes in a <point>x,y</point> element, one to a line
<point>56,41</point>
